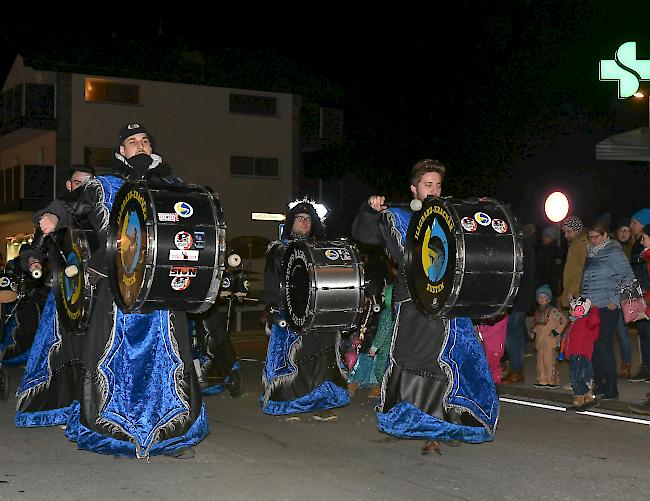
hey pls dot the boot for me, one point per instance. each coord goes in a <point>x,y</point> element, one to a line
<point>625,371</point>
<point>578,401</point>
<point>589,399</point>
<point>352,389</point>
<point>513,377</point>
<point>431,446</point>
<point>375,392</point>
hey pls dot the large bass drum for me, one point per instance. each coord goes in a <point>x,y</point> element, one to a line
<point>463,258</point>
<point>165,247</point>
<point>73,295</point>
<point>323,285</point>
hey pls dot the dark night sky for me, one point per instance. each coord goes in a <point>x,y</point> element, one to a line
<point>505,93</point>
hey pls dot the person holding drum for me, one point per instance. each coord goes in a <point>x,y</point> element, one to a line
<point>140,394</point>
<point>416,395</point>
<point>302,372</point>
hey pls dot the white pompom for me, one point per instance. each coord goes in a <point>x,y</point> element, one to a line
<point>234,260</point>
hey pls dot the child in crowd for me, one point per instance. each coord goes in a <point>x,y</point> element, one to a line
<point>493,335</point>
<point>549,324</point>
<point>579,347</point>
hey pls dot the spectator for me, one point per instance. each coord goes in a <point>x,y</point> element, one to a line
<point>549,324</point>
<point>548,260</point>
<point>638,221</point>
<point>624,237</point>
<point>575,258</point>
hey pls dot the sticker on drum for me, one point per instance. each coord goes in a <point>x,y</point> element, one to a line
<point>183,209</point>
<point>183,240</point>
<point>225,284</point>
<point>468,224</point>
<point>482,218</point>
<point>167,217</point>
<point>199,239</point>
<point>183,271</point>
<point>332,254</point>
<point>183,255</point>
<point>499,225</point>
<point>180,283</point>
<point>5,282</point>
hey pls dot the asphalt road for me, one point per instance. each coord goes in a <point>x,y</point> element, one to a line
<point>537,454</point>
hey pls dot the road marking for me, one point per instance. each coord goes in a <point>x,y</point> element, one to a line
<point>533,404</point>
<point>584,413</point>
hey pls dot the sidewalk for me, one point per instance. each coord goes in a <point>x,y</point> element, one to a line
<point>629,393</point>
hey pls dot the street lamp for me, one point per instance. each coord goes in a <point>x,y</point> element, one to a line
<point>642,95</point>
<point>556,208</point>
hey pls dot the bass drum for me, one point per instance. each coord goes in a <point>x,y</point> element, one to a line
<point>73,295</point>
<point>323,285</point>
<point>9,287</point>
<point>463,258</point>
<point>165,247</point>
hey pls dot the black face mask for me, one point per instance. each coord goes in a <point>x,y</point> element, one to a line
<point>140,164</point>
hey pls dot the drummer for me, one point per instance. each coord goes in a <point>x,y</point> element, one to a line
<point>302,373</point>
<point>155,404</point>
<point>414,402</point>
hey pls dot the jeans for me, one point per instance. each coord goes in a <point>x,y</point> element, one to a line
<point>624,338</point>
<point>581,371</point>
<point>604,359</point>
<point>516,340</point>
<point>643,328</point>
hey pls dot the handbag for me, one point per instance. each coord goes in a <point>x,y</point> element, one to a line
<point>634,302</point>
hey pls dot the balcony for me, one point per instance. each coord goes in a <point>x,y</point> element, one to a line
<point>28,108</point>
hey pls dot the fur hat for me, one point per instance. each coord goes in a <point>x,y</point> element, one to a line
<point>304,206</point>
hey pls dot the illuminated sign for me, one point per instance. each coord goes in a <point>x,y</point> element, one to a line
<point>266,216</point>
<point>625,69</point>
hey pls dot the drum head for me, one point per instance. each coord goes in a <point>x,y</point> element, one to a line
<point>73,294</point>
<point>297,285</point>
<point>128,245</point>
<point>431,256</point>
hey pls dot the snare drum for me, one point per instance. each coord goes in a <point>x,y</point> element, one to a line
<point>166,247</point>
<point>73,295</point>
<point>463,258</point>
<point>323,285</point>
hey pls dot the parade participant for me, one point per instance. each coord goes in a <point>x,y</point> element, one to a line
<point>416,396</point>
<point>302,372</point>
<point>51,381</point>
<point>140,391</point>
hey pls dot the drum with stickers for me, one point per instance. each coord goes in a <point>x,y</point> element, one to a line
<point>463,258</point>
<point>9,287</point>
<point>166,247</point>
<point>323,285</point>
<point>73,292</point>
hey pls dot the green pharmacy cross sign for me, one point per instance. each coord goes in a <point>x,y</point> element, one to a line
<point>626,69</point>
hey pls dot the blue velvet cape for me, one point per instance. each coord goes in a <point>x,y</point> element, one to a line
<point>470,387</point>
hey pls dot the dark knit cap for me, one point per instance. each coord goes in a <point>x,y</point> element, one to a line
<point>131,130</point>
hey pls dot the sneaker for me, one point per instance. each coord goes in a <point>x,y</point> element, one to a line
<point>643,407</point>
<point>552,385</point>
<point>641,376</point>
<point>326,415</point>
<point>540,385</point>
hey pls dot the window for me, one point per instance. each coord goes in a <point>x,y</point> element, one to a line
<point>105,91</point>
<point>98,157</point>
<point>255,166</point>
<point>253,105</point>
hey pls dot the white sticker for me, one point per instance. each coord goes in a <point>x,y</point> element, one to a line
<point>183,209</point>
<point>226,283</point>
<point>482,218</point>
<point>4,282</point>
<point>180,283</point>
<point>469,224</point>
<point>499,225</point>
<point>183,240</point>
<point>168,217</point>
<point>332,254</point>
<point>183,255</point>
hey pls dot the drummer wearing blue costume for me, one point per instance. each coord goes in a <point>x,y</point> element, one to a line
<point>427,392</point>
<point>302,373</point>
<point>140,392</point>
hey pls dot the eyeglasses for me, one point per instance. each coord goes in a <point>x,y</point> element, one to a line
<point>303,219</point>
<point>594,237</point>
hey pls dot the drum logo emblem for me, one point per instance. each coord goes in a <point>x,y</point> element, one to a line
<point>183,209</point>
<point>199,240</point>
<point>226,283</point>
<point>482,218</point>
<point>332,254</point>
<point>469,224</point>
<point>183,240</point>
<point>435,255</point>
<point>4,282</point>
<point>499,225</point>
<point>180,283</point>
<point>183,271</point>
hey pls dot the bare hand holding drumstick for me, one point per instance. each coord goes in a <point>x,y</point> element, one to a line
<point>377,203</point>
<point>48,223</point>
